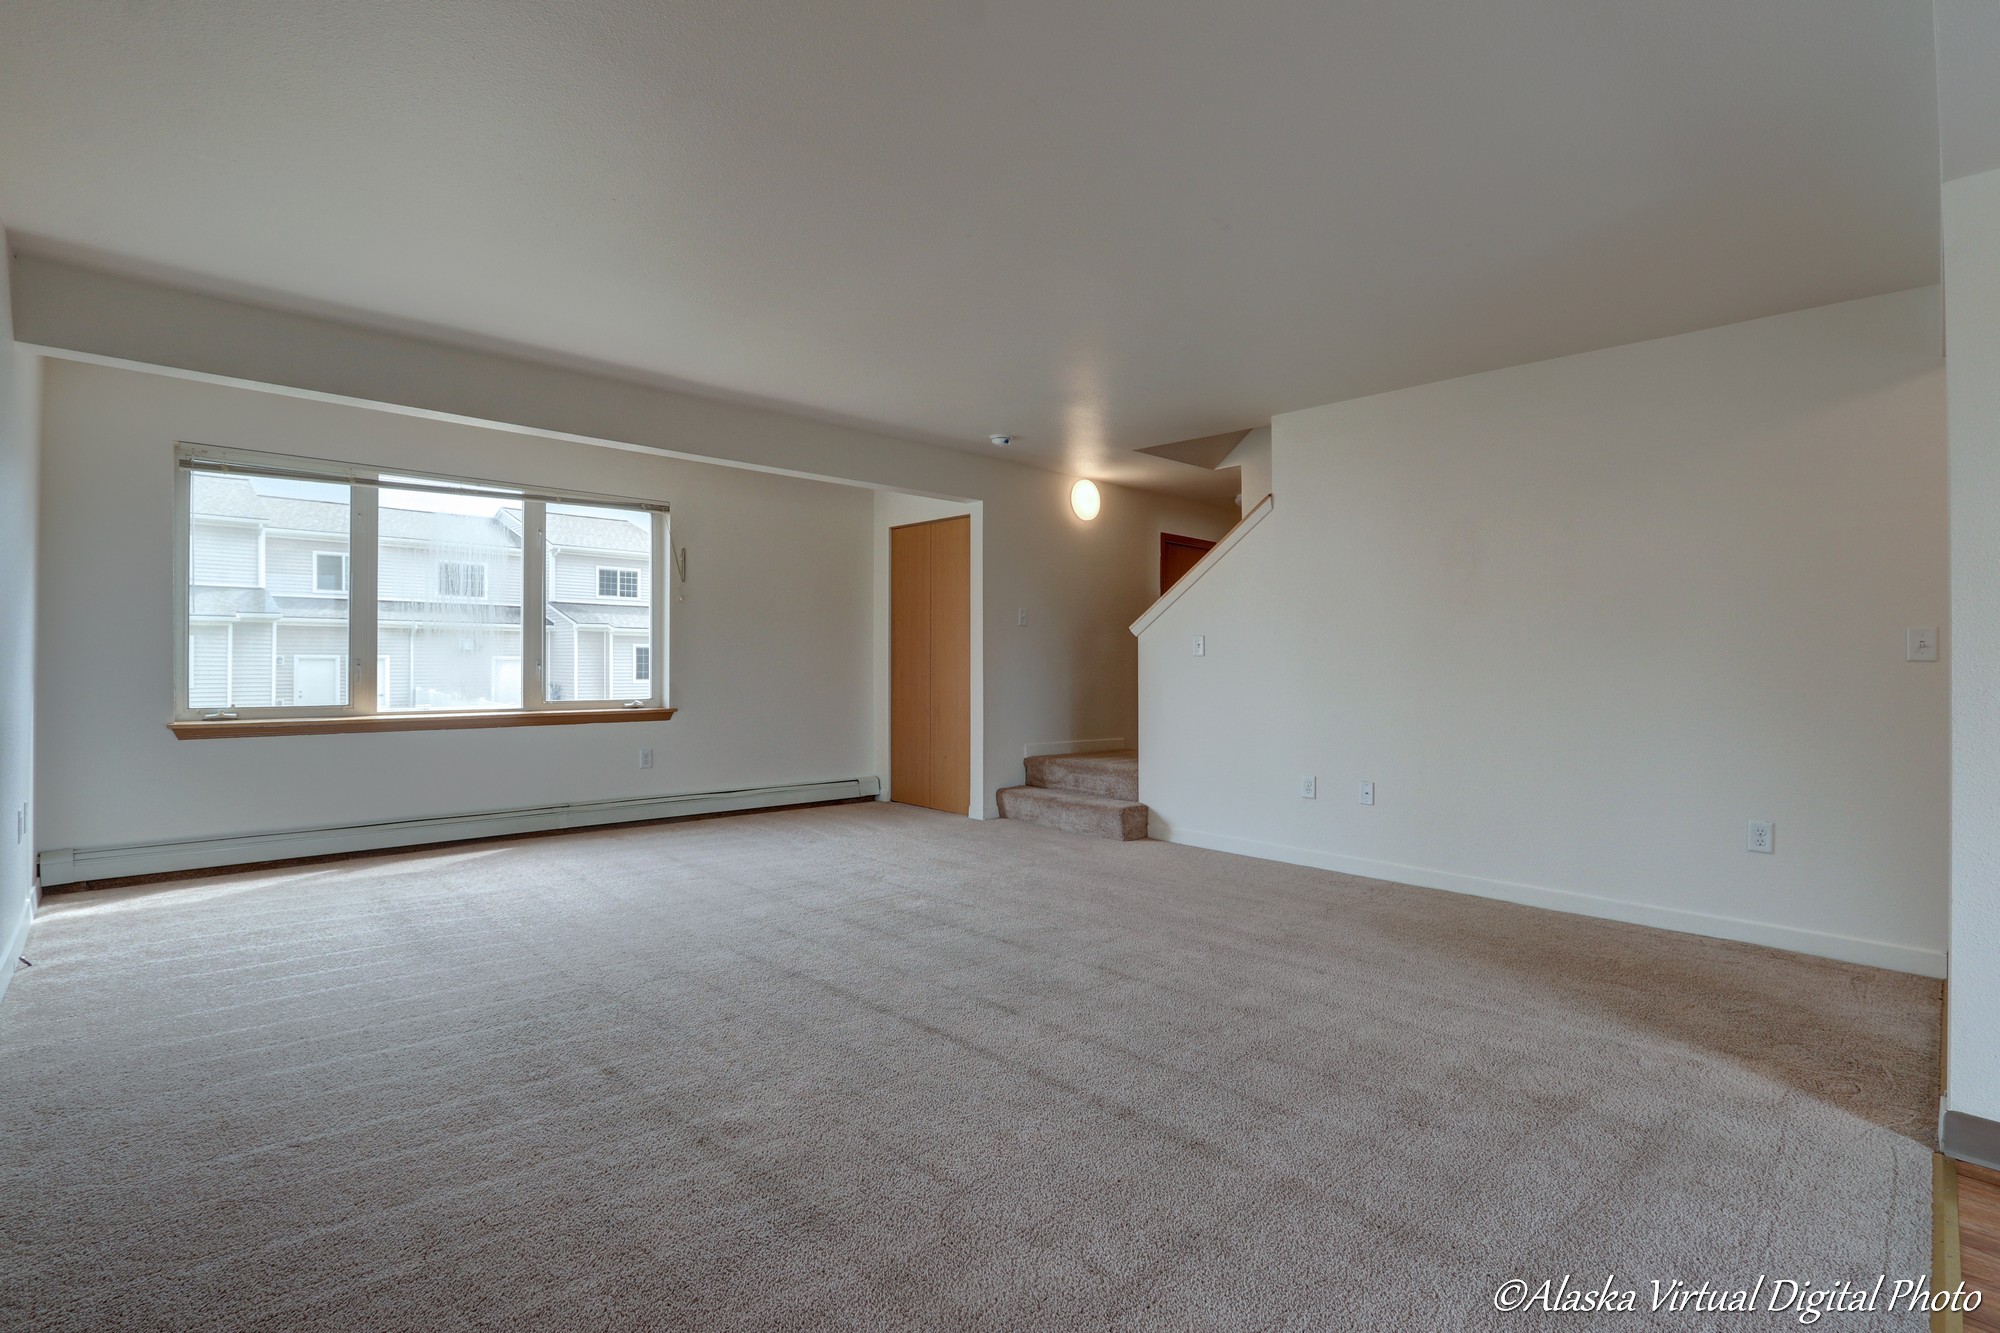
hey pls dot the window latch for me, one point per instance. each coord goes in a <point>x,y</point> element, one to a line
<point>224,716</point>
<point>629,703</point>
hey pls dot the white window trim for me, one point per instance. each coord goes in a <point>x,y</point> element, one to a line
<point>363,560</point>
<point>346,577</point>
<point>485,581</point>
<point>638,597</point>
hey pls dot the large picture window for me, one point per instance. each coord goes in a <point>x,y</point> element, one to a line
<point>324,590</point>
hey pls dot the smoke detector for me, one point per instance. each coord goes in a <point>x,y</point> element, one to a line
<point>1001,440</point>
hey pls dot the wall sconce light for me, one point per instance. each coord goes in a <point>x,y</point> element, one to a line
<point>1083,499</point>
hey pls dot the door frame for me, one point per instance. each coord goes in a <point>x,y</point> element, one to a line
<point>978,790</point>
<point>1171,540</point>
<point>339,660</point>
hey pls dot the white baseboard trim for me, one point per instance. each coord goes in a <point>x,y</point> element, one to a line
<point>1822,944</point>
<point>16,944</point>
<point>72,865</point>
<point>1040,748</point>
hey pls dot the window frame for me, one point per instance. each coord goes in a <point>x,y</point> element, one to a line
<point>485,580</point>
<point>615,598</point>
<point>345,572</point>
<point>365,484</point>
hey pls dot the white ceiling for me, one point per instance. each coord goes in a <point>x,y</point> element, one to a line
<point>1968,44</point>
<point>1097,226</point>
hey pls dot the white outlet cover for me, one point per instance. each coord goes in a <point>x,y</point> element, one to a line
<point>1309,788</point>
<point>1763,836</point>
<point>645,758</point>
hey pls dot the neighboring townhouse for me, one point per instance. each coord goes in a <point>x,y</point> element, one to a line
<point>267,610</point>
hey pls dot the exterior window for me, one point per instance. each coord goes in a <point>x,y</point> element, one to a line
<point>457,579</point>
<point>319,589</point>
<point>598,608</point>
<point>330,571</point>
<point>259,631</point>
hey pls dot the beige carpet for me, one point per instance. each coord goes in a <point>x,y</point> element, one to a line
<point>871,1067</point>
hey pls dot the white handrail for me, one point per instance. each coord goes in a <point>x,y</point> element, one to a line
<point>1203,565</point>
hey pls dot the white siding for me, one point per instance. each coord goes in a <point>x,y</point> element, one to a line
<point>208,666</point>
<point>623,683</point>
<point>574,577</point>
<point>590,682</point>
<point>445,673</point>
<point>288,562</point>
<point>250,665</point>
<point>410,573</point>
<point>561,664</point>
<point>223,553</point>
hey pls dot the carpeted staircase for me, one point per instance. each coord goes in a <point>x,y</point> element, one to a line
<point>1097,794</point>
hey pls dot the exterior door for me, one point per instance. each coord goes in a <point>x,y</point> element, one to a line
<point>1178,555</point>
<point>315,681</point>
<point>930,664</point>
<point>507,681</point>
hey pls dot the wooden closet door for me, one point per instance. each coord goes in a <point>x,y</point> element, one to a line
<point>930,664</point>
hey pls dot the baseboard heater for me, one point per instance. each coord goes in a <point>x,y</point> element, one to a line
<point>71,865</point>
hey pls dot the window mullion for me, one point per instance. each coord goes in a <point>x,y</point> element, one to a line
<point>363,548</point>
<point>534,603</point>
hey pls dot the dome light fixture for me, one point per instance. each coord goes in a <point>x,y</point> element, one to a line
<point>1084,500</point>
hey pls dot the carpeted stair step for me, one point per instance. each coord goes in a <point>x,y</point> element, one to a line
<point>1075,812</point>
<point>1113,773</point>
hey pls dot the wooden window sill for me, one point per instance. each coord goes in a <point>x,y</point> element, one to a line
<point>340,726</point>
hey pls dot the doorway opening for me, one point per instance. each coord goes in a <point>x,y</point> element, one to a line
<point>930,664</point>
<point>1178,555</point>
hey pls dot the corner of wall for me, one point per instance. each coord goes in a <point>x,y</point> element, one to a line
<point>20,457</point>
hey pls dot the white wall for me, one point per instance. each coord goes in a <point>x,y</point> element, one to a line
<point>1580,621</point>
<point>20,449</point>
<point>1071,672</point>
<point>1972,311</point>
<point>1252,455</point>
<point>771,652</point>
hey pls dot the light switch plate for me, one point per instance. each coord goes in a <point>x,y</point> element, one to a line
<point>1201,645</point>
<point>1921,645</point>
<point>1367,793</point>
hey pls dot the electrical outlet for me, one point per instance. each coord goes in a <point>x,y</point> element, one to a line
<point>1763,836</point>
<point>1920,645</point>
<point>1309,788</point>
<point>1201,645</point>
<point>1367,793</point>
<point>645,758</point>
